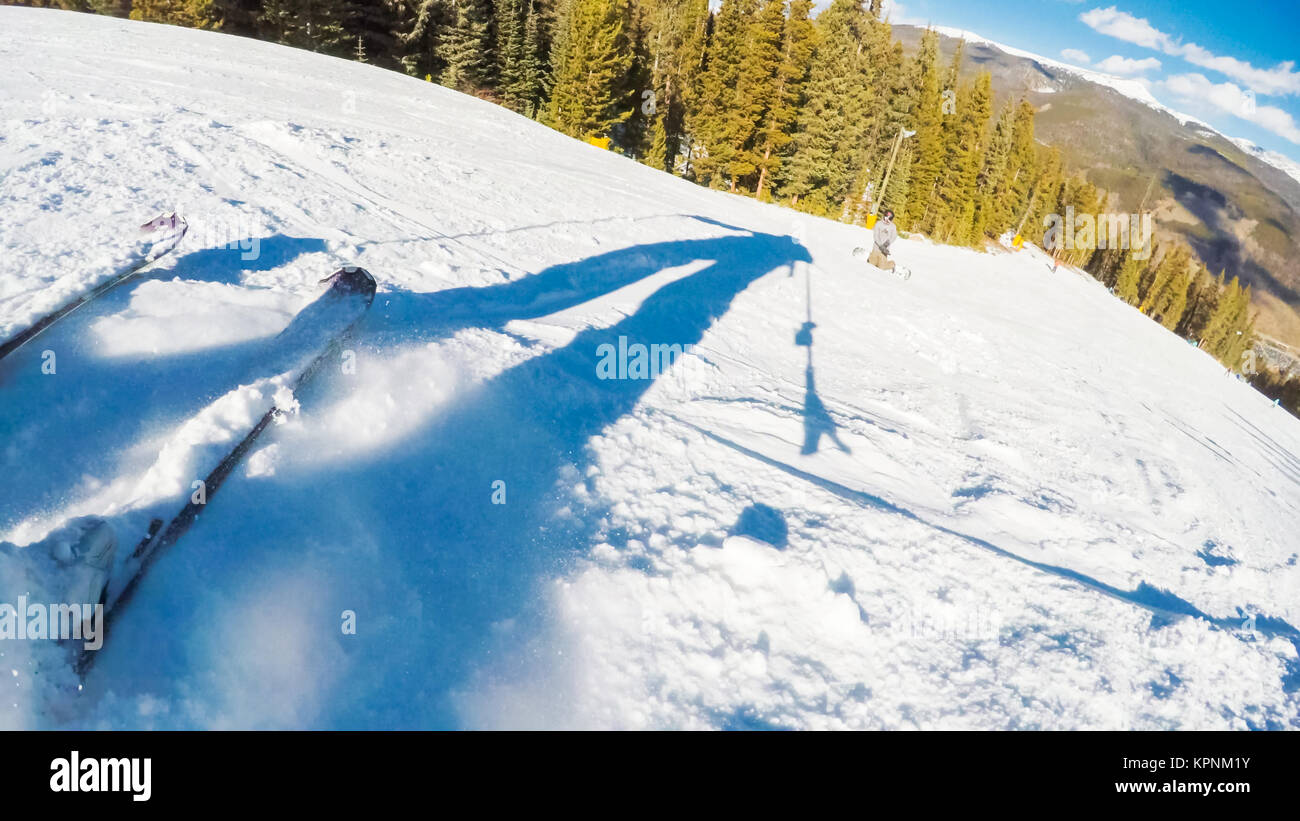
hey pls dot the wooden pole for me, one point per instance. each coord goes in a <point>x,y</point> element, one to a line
<point>880,195</point>
<point>1033,195</point>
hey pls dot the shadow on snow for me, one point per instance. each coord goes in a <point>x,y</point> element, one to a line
<point>437,573</point>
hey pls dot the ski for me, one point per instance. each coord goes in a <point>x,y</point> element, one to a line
<point>300,350</point>
<point>172,229</point>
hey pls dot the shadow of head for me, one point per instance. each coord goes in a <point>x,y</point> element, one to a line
<point>764,523</point>
<point>225,263</point>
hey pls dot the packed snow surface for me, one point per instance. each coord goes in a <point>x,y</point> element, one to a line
<point>992,496</point>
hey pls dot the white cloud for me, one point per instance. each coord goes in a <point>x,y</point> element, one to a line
<point>1076,56</point>
<point>1280,79</point>
<point>1234,100</point>
<point>1124,66</point>
<point>1126,27</point>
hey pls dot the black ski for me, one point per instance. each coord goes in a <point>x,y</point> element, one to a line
<point>176,228</point>
<point>314,335</point>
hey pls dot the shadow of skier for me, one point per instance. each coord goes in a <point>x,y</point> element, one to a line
<point>407,316</point>
<point>409,537</point>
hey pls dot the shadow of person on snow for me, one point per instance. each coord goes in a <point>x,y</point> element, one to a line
<point>443,568</point>
<point>227,263</point>
<point>412,316</point>
<point>79,424</point>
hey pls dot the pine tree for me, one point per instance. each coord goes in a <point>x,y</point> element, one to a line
<point>759,90</point>
<point>897,83</point>
<point>896,196</point>
<point>1207,303</point>
<point>956,195</point>
<point>113,8</point>
<point>189,13</point>
<point>944,204</point>
<point>416,29</point>
<point>1230,316</point>
<point>719,121</point>
<point>1130,277</point>
<point>591,62</point>
<point>1168,274</point>
<point>467,50</point>
<point>656,154</point>
<point>1199,304</point>
<point>530,87</point>
<point>317,25</point>
<point>1014,190</point>
<point>1049,188</point>
<point>1169,308</point>
<point>875,116</point>
<point>634,134</point>
<point>678,46</point>
<point>953,76</point>
<point>777,126</point>
<point>510,16</point>
<point>1242,336</point>
<point>820,168</point>
<point>1082,197</point>
<point>1172,313</point>
<point>370,27</point>
<point>992,175</point>
<point>928,161</point>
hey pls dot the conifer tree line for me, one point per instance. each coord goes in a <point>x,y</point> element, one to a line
<point>757,97</point>
<point>1175,289</point>
<point>760,98</point>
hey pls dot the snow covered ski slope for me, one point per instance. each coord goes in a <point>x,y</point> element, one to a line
<point>989,497</point>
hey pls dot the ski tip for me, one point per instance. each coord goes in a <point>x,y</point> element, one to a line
<point>165,222</point>
<point>352,279</point>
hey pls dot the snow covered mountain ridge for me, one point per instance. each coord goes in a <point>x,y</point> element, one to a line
<point>1132,88</point>
<point>1281,162</point>
<point>992,496</point>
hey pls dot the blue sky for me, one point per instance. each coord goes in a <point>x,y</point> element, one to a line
<point>1230,64</point>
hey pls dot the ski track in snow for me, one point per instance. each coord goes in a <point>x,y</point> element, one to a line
<point>989,497</point>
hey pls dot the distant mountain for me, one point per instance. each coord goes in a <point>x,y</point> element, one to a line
<point>1235,204</point>
<point>1279,161</point>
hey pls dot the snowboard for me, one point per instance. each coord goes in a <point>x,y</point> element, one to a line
<point>899,271</point>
